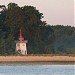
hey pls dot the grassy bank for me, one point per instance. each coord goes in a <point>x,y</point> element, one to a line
<point>39,55</point>
<point>49,55</point>
<point>37,62</point>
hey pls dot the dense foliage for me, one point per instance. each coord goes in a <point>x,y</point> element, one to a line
<point>64,39</point>
<point>42,38</point>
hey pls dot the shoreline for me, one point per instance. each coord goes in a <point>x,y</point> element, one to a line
<point>37,59</point>
<point>38,62</point>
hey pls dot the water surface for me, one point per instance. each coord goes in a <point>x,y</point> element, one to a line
<point>37,69</point>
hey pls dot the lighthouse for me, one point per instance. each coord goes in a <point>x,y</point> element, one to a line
<point>21,45</point>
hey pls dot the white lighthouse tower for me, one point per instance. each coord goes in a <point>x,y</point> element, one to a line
<point>21,45</point>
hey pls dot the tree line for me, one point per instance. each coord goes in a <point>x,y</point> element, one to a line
<point>42,38</point>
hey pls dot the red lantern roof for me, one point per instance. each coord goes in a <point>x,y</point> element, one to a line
<point>21,35</point>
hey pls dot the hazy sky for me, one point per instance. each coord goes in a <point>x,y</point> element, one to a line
<point>54,11</point>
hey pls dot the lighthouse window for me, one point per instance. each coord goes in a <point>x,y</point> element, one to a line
<point>23,45</point>
<point>18,44</point>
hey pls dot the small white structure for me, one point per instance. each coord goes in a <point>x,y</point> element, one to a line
<point>21,45</point>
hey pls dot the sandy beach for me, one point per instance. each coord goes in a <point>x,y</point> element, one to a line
<point>36,58</point>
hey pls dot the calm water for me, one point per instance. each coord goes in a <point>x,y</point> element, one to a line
<point>37,69</point>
